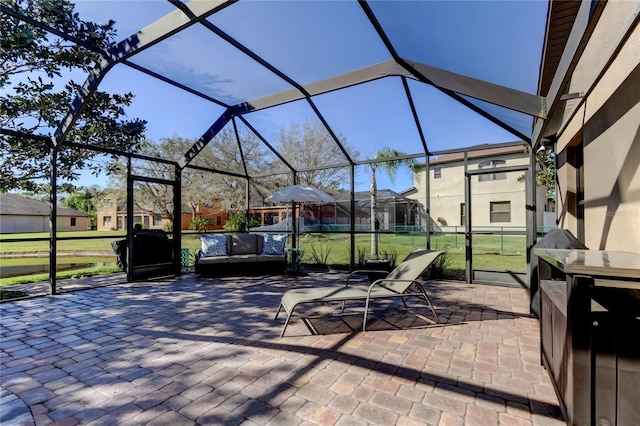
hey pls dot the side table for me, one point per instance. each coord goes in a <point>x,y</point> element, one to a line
<point>295,260</point>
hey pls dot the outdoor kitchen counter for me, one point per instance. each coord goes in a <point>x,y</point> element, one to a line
<point>589,329</point>
<point>593,262</point>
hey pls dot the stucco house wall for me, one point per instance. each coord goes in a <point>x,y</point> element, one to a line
<point>447,191</point>
<point>113,219</point>
<point>599,149</point>
<point>19,214</point>
<point>214,211</point>
<point>111,213</point>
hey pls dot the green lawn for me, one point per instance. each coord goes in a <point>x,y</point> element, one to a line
<point>490,252</point>
<point>102,241</point>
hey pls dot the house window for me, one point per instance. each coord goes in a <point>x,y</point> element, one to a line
<point>107,203</point>
<point>492,164</point>
<point>437,172</point>
<point>500,211</point>
<point>73,221</point>
<point>271,218</point>
<point>157,220</point>
<point>106,221</point>
<point>218,220</point>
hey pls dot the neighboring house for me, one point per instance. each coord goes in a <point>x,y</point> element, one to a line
<point>112,214</point>
<point>595,127</point>
<point>269,215</point>
<point>20,214</point>
<point>498,199</point>
<point>212,210</point>
<point>394,211</point>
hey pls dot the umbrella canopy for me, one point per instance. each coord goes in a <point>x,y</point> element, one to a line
<point>300,194</point>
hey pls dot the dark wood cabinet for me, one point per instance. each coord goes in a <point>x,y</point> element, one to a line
<point>590,333</point>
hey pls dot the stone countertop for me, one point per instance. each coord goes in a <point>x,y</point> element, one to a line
<point>600,263</point>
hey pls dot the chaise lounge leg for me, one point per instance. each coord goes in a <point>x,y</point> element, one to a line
<point>433,310</point>
<point>364,319</point>
<point>284,327</point>
<point>435,314</point>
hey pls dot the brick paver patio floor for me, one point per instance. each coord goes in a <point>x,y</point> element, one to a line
<point>208,351</point>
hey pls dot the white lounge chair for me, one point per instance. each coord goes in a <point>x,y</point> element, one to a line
<point>403,281</point>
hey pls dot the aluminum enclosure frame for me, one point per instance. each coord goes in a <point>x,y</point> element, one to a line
<point>452,84</point>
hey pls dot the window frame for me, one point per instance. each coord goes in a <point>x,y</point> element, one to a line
<point>500,214</point>
<point>492,164</point>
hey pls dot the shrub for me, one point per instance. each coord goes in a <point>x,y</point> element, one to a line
<point>361,255</point>
<point>390,255</point>
<point>441,268</point>
<point>200,224</point>
<point>238,223</point>
<point>320,256</point>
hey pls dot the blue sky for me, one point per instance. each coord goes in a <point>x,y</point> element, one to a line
<point>497,41</point>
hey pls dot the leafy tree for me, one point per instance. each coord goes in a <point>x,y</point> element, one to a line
<point>390,167</point>
<point>152,197</point>
<point>223,153</point>
<point>84,200</point>
<point>310,146</point>
<point>546,173</point>
<point>198,187</point>
<point>42,193</point>
<point>200,224</point>
<point>238,222</point>
<point>35,95</point>
<point>547,176</point>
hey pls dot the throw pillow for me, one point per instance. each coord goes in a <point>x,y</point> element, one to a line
<point>213,245</point>
<point>274,244</point>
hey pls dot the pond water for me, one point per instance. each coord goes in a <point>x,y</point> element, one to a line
<point>41,266</point>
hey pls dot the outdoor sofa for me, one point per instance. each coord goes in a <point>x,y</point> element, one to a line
<point>241,254</point>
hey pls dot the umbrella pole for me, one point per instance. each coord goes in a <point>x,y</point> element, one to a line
<point>294,226</point>
<point>295,254</point>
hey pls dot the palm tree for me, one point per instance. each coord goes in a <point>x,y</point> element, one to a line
<point>83,199</point>
<point>390,167</point>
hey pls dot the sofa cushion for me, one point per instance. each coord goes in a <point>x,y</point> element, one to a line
<point>243,258</point>
<point>244,244</point>
<point>213,245</point>
<point>271,258</point>
<point>274,244</point>
<point>213,260</point>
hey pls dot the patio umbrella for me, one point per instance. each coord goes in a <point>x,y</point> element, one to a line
<point>299,194</point>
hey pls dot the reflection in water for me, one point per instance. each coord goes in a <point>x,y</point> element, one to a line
<point>43,268</point>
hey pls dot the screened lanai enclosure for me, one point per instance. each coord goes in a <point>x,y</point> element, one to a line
<point>226,86</point>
